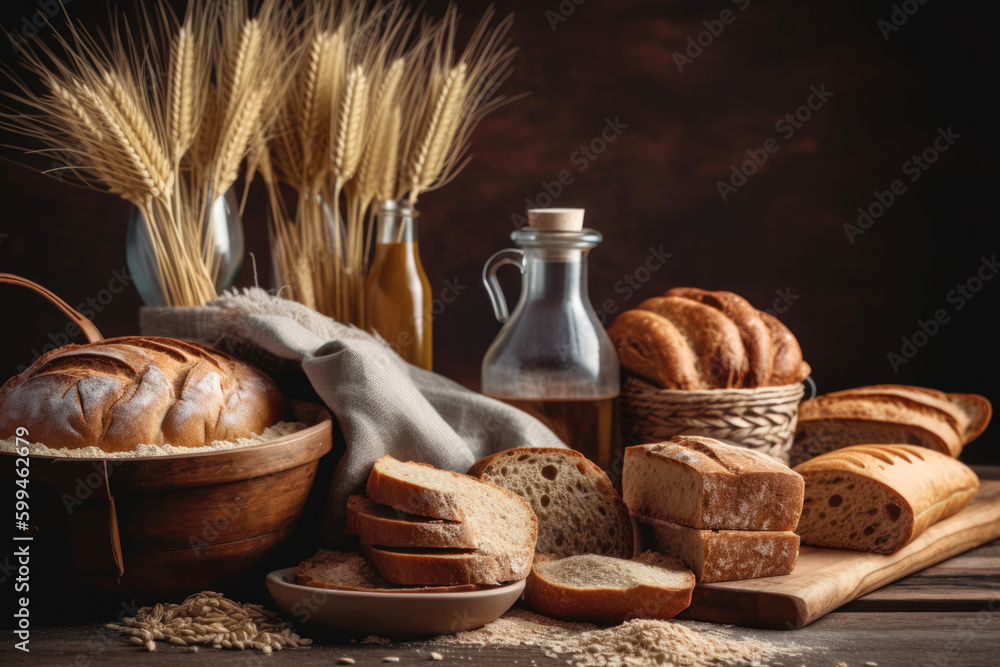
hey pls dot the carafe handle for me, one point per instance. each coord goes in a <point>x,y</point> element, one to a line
<point>512,256</point>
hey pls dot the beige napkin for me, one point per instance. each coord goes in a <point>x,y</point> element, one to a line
<point>382,404</point>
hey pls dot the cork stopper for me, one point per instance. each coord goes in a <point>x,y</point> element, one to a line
<point>556,219</point>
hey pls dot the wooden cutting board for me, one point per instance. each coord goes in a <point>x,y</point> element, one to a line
<point>825,579</point>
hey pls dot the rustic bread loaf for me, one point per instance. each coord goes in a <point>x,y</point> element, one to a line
<point>602,589</point>
<point>123,392</point>
<point>577,507</point>
<point>503,522</point>
<point>720,555</point>
<point>880,497</point>
<point>889,413</point>
<point>695,339</point>
<point>381,524</point>
<point>349,571</point>
<point>702,483</point>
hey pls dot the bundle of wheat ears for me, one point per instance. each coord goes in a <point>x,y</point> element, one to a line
<point>345,103</point>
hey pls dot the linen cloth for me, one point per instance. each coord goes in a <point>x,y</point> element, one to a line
<point>382,404</point>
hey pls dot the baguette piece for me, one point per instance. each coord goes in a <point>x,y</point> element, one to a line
<point>349,571</point>
<point>878,498</point>
<point>889,413</point>
<point>601,589</point>
<point>720,555</point>
<point>381,524</point>
<point>702,483</point>
<point>577,507</point>
<point>504,524</point>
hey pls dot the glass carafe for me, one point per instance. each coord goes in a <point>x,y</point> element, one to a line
<point>553,358</point>
<point>398,302</point>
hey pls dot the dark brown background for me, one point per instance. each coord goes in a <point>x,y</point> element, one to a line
<point>656,185</point>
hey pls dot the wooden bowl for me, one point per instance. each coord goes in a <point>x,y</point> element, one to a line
<point>174,523</point>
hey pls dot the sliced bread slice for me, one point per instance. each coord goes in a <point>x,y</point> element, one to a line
<point>703,483</point>
<point>878,498</point>
<point>503,522</point>
<point>349,571</point>
<point>602,589</point>
<point>721,555</point>
<point>439,567</point>
<point>577,507</point>
<point>380,524</point>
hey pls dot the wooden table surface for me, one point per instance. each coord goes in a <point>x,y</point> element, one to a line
<point>946,615</point>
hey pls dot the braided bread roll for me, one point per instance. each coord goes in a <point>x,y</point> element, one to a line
<point>693,339</point>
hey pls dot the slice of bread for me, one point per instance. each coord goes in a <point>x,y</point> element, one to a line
<point>577,507</point>
<point>602,589</point>
<point>889,413</point>
<point>878,498</point>
<point>702,483</point>
<point>440,567</point>
<point>380,524</point>
<point>503,523</point>
<point>721,555</point>
<point>349,571</point>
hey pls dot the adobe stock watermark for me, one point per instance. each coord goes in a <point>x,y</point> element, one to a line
<point>31,24</point>
<point>562,12</point>
<point>629,284</point>
<point>786,127</point>
<point>914,168</point>
<point>581,158</point>
<point>696,44</point>
<point>957,297</point>
<point>900,14</point>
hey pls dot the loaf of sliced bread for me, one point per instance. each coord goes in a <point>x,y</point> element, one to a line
<point>577,507</point>
<point>380,524</point>
<point>349,571</point>
<point>503,523</point>
<point>889,413</point>
<point>702,483</point>
<point>721,555</point>
<point>878,498</point>
<point>602,589</point>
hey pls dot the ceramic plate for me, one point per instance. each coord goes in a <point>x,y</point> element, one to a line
<point>390,614</point>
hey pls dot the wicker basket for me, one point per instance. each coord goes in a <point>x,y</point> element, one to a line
<point>763,419</point>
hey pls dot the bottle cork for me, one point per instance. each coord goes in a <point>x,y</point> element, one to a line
<point>556,219</point>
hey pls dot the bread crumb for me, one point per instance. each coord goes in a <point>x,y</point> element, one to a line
<point>375,639</point>
<point>345,661</point>
<point>279,430</point>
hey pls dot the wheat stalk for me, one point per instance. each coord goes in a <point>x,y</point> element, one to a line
<point>182,94</point>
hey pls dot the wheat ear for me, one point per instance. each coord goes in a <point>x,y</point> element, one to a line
<point>181,122</point>
<point>139,135</point>
<point>438,135</point>
<point>346,151</point>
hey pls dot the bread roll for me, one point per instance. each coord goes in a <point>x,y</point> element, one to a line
<point>122,392</point>
<point>878,498</point>
<point>692,339</point>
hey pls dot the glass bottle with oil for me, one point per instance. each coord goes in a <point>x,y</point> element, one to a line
<point>553,358</point>
<point>398,303</point>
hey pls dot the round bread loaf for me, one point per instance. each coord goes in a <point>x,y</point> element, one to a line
<point>122,392</point>
<point>693,339</point>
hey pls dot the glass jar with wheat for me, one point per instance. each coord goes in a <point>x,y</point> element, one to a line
<point>162,116</point>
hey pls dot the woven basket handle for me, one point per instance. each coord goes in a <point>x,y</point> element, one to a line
<point>86,326</point>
